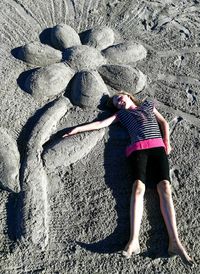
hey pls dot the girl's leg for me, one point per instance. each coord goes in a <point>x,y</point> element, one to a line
<point>136,210</point>
<point>168,212</point>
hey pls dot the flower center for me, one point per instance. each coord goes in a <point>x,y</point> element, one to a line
<point>83,58</point>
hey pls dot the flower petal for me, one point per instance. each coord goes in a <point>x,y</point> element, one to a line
<point>39,54</point>
<point>125,53</point>
<point>99,38</point>
<point>45,83</point>
<point>88,88</point>
<point>123,77</point>
<point>64,36</point>
<point>9,163</point>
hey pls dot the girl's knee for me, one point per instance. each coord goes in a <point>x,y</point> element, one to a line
<point>138,188</point>
<point>164,187</point>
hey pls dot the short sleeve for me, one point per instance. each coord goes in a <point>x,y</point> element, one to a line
<point>148,104</point>
<point>119,114</point>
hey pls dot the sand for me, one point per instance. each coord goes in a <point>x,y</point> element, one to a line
<point>64,203</point>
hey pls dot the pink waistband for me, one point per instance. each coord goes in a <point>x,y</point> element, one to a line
<point>145,144</point>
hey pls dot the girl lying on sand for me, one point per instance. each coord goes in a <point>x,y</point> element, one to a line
<point>142,121</point>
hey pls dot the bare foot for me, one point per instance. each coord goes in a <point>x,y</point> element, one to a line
<point>178,249</point>
<point>131,249</point>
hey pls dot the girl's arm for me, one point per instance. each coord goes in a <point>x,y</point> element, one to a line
<point>92,126</point>
<point>165,129</point>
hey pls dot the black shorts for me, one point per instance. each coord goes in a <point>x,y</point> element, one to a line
<point>149,165</point>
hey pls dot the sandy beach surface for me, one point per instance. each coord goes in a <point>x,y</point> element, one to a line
<point>64,203</point>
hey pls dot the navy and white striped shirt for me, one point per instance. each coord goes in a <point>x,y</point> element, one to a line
<point>140,122</point>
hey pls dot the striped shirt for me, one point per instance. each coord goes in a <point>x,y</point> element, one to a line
<point>142,127</point>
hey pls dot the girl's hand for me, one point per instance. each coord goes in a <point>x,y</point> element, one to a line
<point>70,132</point>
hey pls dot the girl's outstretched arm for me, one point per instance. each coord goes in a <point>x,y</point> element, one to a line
<point>165,129</point>
<point>91,126</point>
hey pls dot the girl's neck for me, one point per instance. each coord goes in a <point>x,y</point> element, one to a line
<point>133,106</point>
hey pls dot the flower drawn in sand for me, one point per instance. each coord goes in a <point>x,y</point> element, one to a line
<point>87,63</point>
<point>83,70</point>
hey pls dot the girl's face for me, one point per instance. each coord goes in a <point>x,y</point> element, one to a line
<point>122,101</point>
